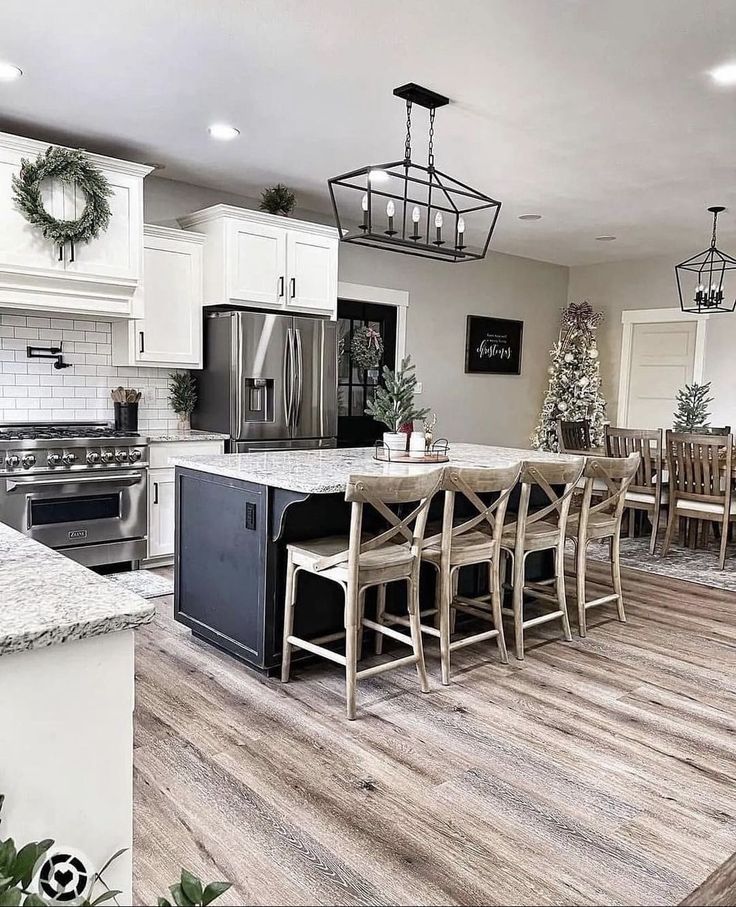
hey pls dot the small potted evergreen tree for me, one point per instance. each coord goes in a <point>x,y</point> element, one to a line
<point>692,408</point>
<point>182,396</point>
<point>393,403</point>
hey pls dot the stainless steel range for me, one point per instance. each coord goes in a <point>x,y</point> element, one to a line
<point>77,487</point>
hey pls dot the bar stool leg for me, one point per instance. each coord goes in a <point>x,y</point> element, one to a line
<point>351,647</point>
<point>581,553</point>
<point>518,603</point>
<point>453,611</point>
<point>445,581</point>
<point>380,611</point>
<point>494,583</point>
<point>416,633</point>
<point>560,587</point>
<point>361,614</point>
<point>289,606</point>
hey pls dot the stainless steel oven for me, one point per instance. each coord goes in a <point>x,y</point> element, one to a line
<point>85,497</point>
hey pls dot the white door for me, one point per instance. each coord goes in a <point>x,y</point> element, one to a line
<point>257,264</point>
<point>161,512</point>
<point>116,252</point>
<point>22,245</point>
<point>171,328</point>
<point>312,262</point>
<point>662,360</point>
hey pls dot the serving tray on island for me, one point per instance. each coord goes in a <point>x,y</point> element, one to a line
<point>436,454</point>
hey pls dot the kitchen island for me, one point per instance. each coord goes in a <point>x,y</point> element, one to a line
<point>235,514</point>
<point>66,709</point>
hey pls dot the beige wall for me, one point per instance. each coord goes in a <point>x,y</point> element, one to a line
<point>488,408</point>
<point>650,284</point>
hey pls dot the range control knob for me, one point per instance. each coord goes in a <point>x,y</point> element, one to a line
<point>135,455</point>
<point>12,460</point>
<point>69,458</point>
<point>53,459</point>
<point>121,456</point>
<point>106,456</point>
<point>29,460</point>
<point>93,457</point>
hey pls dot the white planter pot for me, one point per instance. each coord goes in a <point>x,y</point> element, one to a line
<point>417,446</point>
<point>395,440</point>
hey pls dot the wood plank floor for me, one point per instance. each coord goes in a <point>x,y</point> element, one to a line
<point>601,772</point>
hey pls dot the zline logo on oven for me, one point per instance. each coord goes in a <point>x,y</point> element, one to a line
<point>78,534</point>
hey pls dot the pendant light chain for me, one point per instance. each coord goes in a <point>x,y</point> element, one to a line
<point>430,155</point>
<point>713,237</point>
<point>407,144</point>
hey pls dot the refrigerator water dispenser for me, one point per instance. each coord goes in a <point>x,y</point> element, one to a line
<point>258,399</point>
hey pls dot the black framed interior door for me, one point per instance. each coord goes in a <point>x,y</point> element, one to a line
<point>356,386</point>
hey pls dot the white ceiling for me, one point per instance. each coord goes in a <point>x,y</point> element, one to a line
<point>598,114</point>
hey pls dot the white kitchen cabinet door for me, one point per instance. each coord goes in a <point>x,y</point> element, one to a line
<point>170,332</point>
<point>312,268</point>
<point>257,263</point>
<point>23,246</point>
<point>116,252</point>
<point>161,513</point>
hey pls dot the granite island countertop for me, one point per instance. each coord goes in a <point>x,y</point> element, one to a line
<point>327,471</point>
<point>156,436</point>
<point>46,598</point>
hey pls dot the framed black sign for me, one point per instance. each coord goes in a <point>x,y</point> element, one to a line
<point>493,346</point>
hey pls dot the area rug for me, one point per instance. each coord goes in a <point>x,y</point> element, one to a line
<point>144,583</point>
<point>698,566</point>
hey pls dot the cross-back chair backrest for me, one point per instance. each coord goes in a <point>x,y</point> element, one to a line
<point>573,435</point>
<point>649,444</point>
<point>700,466</point>
<point>610,478</point>
<point>471,483</point>
<point>379,492</point>
<point>548,476</point>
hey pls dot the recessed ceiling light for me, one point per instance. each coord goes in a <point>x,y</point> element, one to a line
<point>530,217</point>
<point>724,75</point>
<point>9,73</point>
<point>378,176</point>
<point>223,132</point>
<point>605,238</point>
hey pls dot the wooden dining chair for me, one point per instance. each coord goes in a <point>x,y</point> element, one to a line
<point>600,519</point>
<point>647,492</point>
<point>717,430</point>
<point>700,468</point>
<point>540,530</point>
<point>357,563</point>
<point>573,436</point>
<point>474,539</point>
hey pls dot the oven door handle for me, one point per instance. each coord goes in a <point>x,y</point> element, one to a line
<point>121,479</point>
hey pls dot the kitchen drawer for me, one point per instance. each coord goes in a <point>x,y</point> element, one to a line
<point>161,452</point>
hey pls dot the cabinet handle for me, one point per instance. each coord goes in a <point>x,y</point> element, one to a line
<point>281,287</point>
<point>142,345</point>
<point>155,492</point>
<point>293,287</point>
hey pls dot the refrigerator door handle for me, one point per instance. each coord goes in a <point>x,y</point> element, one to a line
<point>298,376</point>
<point>288,377</point>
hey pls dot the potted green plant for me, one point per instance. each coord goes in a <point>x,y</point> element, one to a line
<point>182,396</point>
<point>278,199</point>
<point>692,408</point>
<point>393,403</point>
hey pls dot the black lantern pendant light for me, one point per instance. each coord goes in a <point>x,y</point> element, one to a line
<point>700,279</point>
<point>406,207</point>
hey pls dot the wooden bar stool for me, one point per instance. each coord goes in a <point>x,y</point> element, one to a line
<point>474,540</point>
<point>357,563</point>
<point>541,530</point>
<point>601,520</point>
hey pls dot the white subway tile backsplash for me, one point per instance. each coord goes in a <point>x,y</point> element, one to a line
<point>32,390</point>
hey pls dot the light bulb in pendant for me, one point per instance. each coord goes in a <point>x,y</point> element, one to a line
<point>390,211</point>
<point>438,220</point>
<point>390,208</point>
<point>364,202</point>
<point>461,225</point>
<point>415,214</point>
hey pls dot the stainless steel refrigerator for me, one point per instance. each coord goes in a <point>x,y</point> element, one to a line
<point>269,380</point>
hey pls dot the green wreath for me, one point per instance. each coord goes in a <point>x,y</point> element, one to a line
<point>366,348</point>
<point>69,166</point>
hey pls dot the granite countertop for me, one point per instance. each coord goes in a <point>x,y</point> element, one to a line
<point>327,471</point>
<point>46,598</point>
<point>189,434</point>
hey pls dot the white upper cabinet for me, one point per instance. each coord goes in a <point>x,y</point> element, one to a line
<point>169,333</point>
<point>262,260</point>
<point>101,276</point>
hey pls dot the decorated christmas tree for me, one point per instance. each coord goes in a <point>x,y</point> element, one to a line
<point>574,390</point>
<point>692,408</point>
